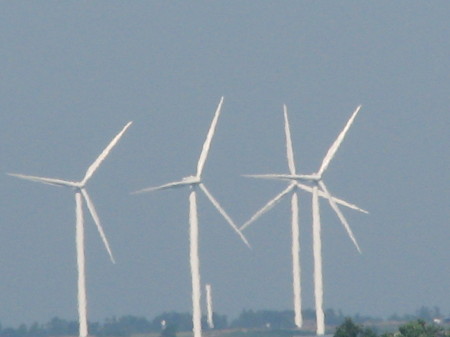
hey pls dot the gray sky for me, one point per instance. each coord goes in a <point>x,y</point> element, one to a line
<point>73,73</point>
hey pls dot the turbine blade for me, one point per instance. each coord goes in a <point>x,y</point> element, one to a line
<point>224,214</point>
<point>341,217</point>
<point>94,215</point>
<point>49,181</point>
<point>94,166</point>
<point>207,143</point>
<point>289,149</point>
<point>332,150</point>
<point>268,206</point>
<point>174,184</point>
<point>336,200</point>
<point>270,176</point>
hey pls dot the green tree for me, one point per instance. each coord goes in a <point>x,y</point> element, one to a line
<point>420,328</point>
<point>349,329</point>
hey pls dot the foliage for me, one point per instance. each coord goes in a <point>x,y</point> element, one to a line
<point>350,329</point>
<point>263,333</point>
<point>419,328</point>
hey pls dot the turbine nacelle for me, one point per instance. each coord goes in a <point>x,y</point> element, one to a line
<point>79,186</point>
<point>191,180</point>
<point>311,178</point>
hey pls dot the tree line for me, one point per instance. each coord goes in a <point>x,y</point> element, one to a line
<point>416,328</point>
<point>167,324</point>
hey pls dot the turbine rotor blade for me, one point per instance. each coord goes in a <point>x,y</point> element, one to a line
<point>94,215</point>
<point>337,143</point>
<point>271,176</point>
<point>175,184</point>
<point>224,214</point>
<point>49,181</point>
<point>207,143</point>
<point>94,166</point>
<point>341,217</point>
<point>336,200</point>
<point>289,149</point>
<point>267,206</point>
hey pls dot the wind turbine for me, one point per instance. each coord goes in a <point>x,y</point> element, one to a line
<point>295,182</point>
<point>194,183</point>
<point>81,193</point>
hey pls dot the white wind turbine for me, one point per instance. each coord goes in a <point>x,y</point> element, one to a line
<point>195,183</point>
<point>316,181</point>
<point>80,192</point>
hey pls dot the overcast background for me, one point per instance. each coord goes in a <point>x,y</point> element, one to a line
<point>73,73</point>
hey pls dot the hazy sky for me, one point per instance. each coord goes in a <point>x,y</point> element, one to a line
<point>73,73</point>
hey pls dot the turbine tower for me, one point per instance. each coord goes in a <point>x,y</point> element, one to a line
<point>195,183</point>
<point>209,306</point>
<point>318,189</point>
<point>81,193</point>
